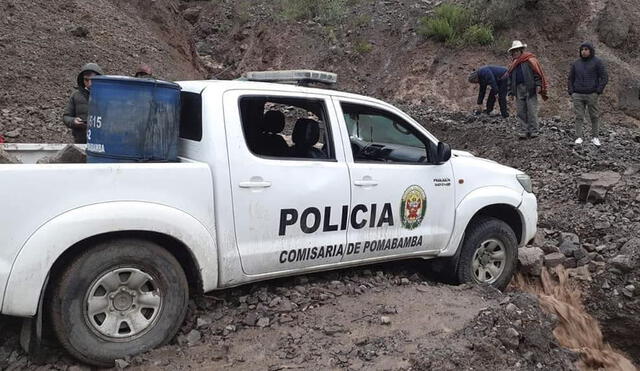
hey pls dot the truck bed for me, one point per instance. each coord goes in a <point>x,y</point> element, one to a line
<point>32,195</point>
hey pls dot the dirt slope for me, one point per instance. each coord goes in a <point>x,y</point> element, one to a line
<point>376,50</point>
<point>44,44</point>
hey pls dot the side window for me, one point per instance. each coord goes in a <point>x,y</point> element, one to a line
<point>380,136</point>
<point>190,116</point>
<point>286,128</point>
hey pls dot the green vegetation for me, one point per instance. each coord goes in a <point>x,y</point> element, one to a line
<point>363,47</point>
<point>456,16</point>
<point>478,34</point>
<point>436,28</point>
<point>455,25</point>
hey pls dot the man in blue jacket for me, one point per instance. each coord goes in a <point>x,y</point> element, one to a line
<point>587,79</point>
<point>491,76</point>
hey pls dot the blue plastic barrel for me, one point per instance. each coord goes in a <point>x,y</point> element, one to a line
<point>132,120</point>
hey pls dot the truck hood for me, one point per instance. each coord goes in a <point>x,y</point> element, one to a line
<point>459,153</point>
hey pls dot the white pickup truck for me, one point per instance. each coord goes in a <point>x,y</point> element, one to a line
<point>273,180</point>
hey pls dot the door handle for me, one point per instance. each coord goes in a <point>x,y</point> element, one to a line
<point>366,183</point>
<point>255,184</point>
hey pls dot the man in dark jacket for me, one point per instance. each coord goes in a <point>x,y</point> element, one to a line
<point>526,81</point>
<point>75,114</point>
<point>491,76</point>
<point>587,80</point>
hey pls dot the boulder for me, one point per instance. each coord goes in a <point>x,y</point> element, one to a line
<point>580,253</point>
<point>554,259</point>
<point>510,338</point>
<point>570,263</point>
<point>7,158</point>
<point>622,262</point>
<point>193,337</point>
<point>569,248</point>
<point>70,154</point>
<point>13,133</point>
<point>571,237</point>
<point>593,187</point>
<point>263,322</point>
<point>631,248</point>
<point>530,259</point>
<point>613,25</point>
<point>192,15</point>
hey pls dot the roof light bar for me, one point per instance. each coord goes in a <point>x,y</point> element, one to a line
<point>299,77</point>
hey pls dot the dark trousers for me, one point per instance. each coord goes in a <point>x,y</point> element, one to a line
<point>502,98</point>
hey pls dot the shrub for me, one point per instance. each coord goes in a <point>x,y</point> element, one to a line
<point>454,24</point>
<point>456,16</point>
<point>478,35</point>
<point>436,28</point>
<point>363,47</point>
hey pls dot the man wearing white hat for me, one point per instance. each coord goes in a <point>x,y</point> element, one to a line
<point>526,81</point>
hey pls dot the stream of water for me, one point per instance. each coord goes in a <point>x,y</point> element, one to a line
<point>576,329</point>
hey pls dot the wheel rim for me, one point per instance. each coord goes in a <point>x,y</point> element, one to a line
<point>488,261</point>
<point>122,303</point>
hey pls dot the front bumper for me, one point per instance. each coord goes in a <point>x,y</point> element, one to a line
<point>529,211</point>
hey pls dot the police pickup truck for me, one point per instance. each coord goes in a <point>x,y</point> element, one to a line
<point>274,179</point>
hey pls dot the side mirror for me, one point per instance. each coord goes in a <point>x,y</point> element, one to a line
<point>444,152</point>
<point>438,154</point>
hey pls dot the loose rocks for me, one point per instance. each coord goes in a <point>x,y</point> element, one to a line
<point>7,158</point>
<point>530,259</point>
<point>70,154</point>
<point>593,187</point>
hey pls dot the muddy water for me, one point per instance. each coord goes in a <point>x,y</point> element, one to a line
<point>576,329</point>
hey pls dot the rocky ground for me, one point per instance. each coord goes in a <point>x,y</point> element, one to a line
<point>381,317</point>
<point>599,236</point>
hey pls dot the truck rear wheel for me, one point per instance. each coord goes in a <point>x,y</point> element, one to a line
<point>489,253</point>
<point>119,298</point>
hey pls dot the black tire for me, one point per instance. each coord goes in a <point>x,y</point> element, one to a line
<point>165,283</point>
<point>485,232</point>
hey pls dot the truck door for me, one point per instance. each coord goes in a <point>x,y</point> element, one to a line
<point>401,204</point>
<point>290,182</point>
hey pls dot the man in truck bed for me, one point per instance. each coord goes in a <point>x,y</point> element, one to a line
<point>75,114</point>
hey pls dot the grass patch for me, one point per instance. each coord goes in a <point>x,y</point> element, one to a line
<point>436,28</point>
<point>456,16</point>
<point>455,25</point>
<point>363,47</point>
<point>478,34</point>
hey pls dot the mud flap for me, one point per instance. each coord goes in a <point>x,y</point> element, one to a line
<point>444,268</point>
<point>31,332</point>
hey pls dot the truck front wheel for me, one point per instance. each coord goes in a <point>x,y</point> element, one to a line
<point>117,299</point>
<point>489,253</point>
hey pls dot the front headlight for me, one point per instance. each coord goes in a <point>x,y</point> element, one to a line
<point>525,182</point>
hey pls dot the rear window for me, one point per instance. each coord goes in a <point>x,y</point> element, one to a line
<point>190,116</point>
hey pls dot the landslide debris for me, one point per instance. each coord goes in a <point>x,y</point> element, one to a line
<point>376,317</point>
<point>597,235</point>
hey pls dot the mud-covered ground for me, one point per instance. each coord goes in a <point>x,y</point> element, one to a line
<point>379,317</point>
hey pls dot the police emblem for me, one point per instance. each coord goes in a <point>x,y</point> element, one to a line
<point>413,207</point>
